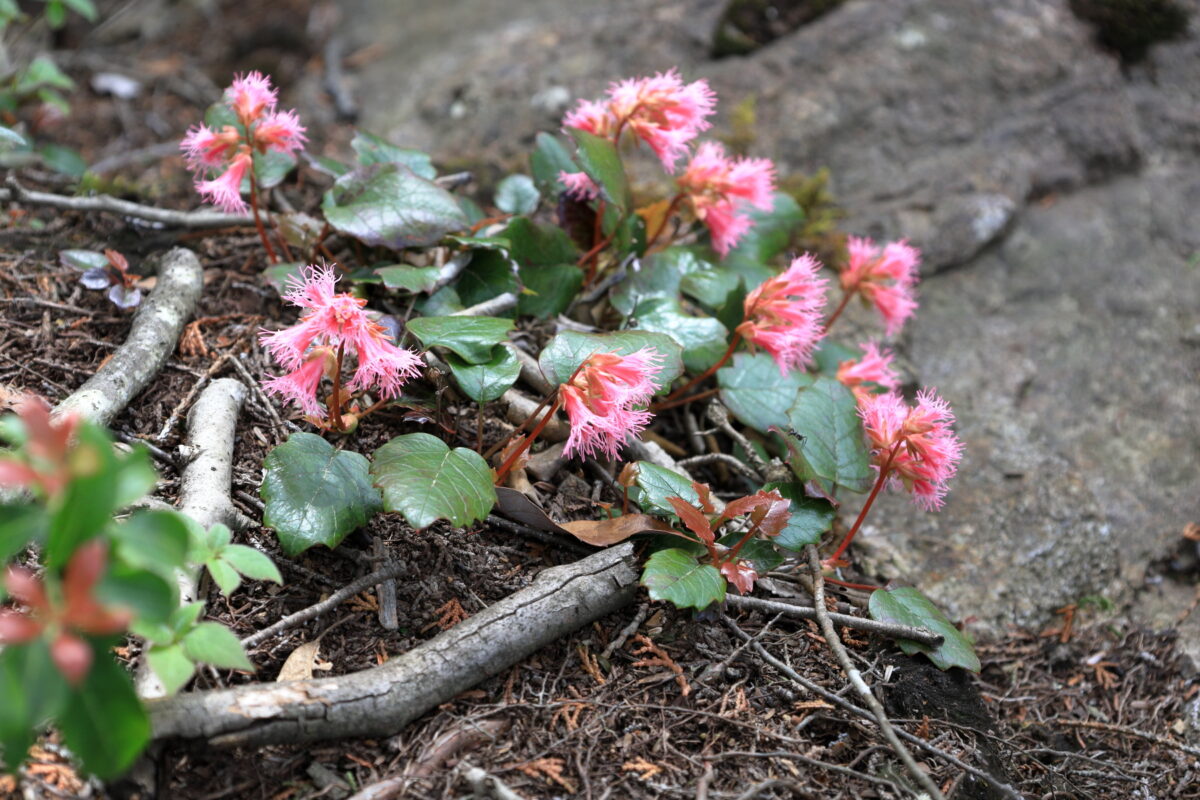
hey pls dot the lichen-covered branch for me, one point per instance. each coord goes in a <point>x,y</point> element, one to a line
<point>115,205</point>
<point>152,338</point>
<point>382,700</point>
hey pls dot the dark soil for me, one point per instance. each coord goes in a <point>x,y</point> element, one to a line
<point>700,716</point>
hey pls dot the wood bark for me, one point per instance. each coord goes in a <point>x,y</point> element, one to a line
<point>152,338</point>
<point>382,700</point>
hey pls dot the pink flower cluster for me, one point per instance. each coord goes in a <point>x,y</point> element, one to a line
<point>874,367</point>
<point>668,115</point>
<point>885,278</point>
<point>914,446</point>
<point>719,187</point>
<point>783,314</point>
<point>230,150</point>
<point>332,324</point>
<point>662,111</point>
<point>601,401</point>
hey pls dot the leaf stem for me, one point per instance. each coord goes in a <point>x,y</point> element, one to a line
<point>837,312</point>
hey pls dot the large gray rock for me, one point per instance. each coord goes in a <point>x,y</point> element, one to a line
<point>1054,197</point>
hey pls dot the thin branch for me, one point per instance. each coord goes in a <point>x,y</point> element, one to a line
<point>922,635</point>
<point>722,458</point>
<point>385,573</point>
<point>103,202</point>
<point>497,305</point>
<point>856,679</point>
<point>1125,731</point>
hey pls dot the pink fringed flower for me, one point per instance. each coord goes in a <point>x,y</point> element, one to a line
<point>333,323</point>
<point>600,401</point>
<point>662,111</point>
<point>916,446</point>
<point>783,315</point>
<point>875,367</point>
<point>225,190</point>
<point>719,187</point>
<point>885,278</point>
<point>230,150</point>
<point>250,95</point>
<point>579,185</point>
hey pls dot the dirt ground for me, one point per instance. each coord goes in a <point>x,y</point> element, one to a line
<point>683,708</point>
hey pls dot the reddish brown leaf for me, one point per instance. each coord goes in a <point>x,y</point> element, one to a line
<point>697,523</point>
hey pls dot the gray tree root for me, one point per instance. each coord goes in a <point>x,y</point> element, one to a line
<point>204,485</point>
<point>115,205</point>
<point>382,700</point>
<point>156,328</point>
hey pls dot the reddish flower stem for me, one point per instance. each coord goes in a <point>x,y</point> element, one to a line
<point>675,395</point>
<point>507,466</point>
<point>837,312</point>
<point>683,401</point>
<point>335,397</point>
<point>879,482</point>
<point>662,226</point>
<point>864,586</point>
<point>262,231</point>
<point>737,548</point>
<point>504,442</point>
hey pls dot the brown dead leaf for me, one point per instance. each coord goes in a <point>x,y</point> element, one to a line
<point>301,663</point>
<point>599,533</point>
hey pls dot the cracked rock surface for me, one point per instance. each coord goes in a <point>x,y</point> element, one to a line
<point>1053,193</point>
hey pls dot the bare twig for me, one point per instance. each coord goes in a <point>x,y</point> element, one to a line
<point>497,305</point>
<point>860,685</point>
<point>1122,730</point>
<point>922,635</point>
<point>183,404</point>
<point>722,458</point>
<point>102,202</point>
<point>152,338</point>
<point>388,572</point>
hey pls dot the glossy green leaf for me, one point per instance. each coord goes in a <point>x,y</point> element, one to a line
<point>811,517</point>
<point>153,540</point>
<point>279,275</point>
<point>224,575</point>
<point>20,525</point>
<point>831,353</point>
<point>64,160</point>
<point>148,594</point>
<point>703,339</point>
<point>213,643</point>
<point>251,563</point>
<point>42,71</point>
<point>550,157</point>
<point>391,206</point>
<point>531,244</point>
<point>172,666</point>
<point>485,382</point>
<point>33,692</point>
<point>565,352</point>
<point>135,477</point>
<point>755,392</point>
<point>517,194</point>
<point>314,494</point>
<point>83,259</point>
<point>87,502</point>
<point>598,157</point>
<point>549,290</point>
<point>654,484</point>
<point>833,449</point>
<point>676,576</point>
<point>659,276</point>
<point>490,273</point>
<point>409,278</point>
<point>907,606</point>
<point>472,338</point>
<point>772,231</point>
<point>424,480</point>
<point>270,168</point>
<point>711,286</point>
<point>103,723</point>
<point>371,149</point>
<point>760,552</point>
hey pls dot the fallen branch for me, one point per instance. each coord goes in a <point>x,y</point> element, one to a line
<point>103,202</point>
<point>152,338</point>
<point>204,485</point>
<point>382,700</point>
<point>856,680</point>
<point>922,635</point>
<point>497,305</point>
<point>389,572</point>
